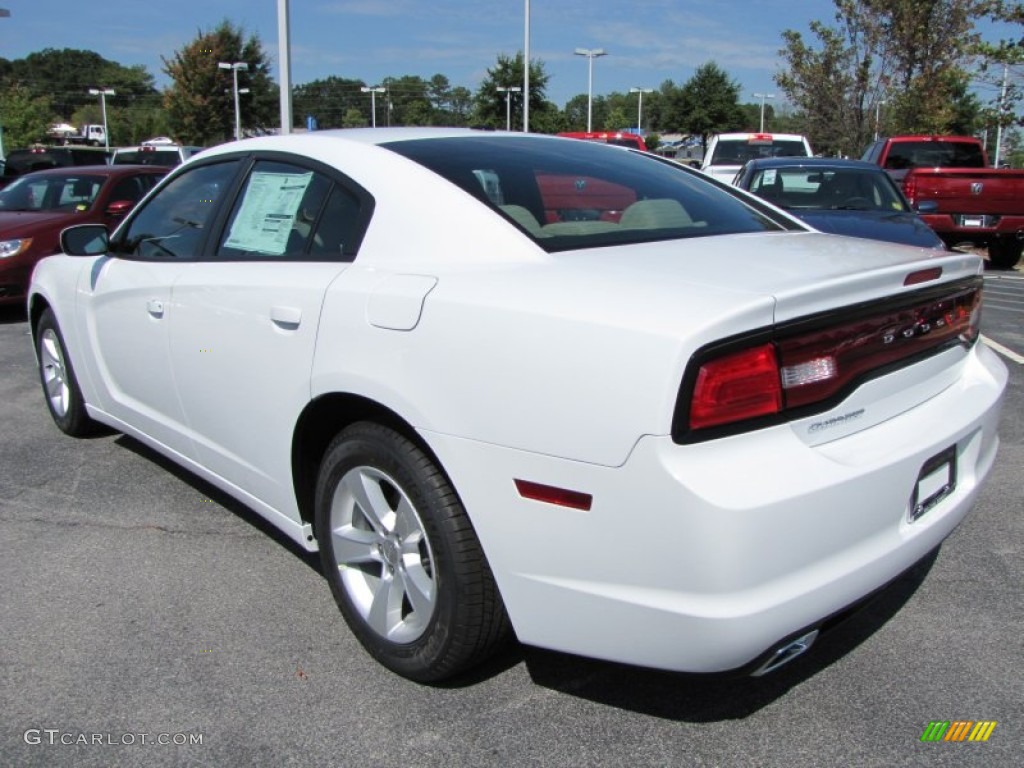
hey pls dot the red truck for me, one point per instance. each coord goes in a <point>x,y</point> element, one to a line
<point>948,181</point>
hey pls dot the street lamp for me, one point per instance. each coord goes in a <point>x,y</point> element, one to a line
<point>234,67</point>
<point>103,93</point>
<point>508,102</point>
<point>878,109</point>
<point>373,101</point>
<point>640,106</point>
<point>591,54</point>
<point>762,97</point>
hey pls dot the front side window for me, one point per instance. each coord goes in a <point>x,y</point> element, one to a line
<point>174,223</point>
<point>578,194</point>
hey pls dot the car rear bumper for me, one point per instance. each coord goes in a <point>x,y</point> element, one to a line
<point>701,558</point>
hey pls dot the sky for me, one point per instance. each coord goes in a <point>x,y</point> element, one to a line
<point>647,41</point>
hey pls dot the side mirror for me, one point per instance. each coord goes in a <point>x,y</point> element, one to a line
<point>119,207</point>
<point>85,240</point>
<point>927,206</point>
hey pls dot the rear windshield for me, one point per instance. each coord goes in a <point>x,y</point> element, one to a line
<point>167,157</point>
<point>569,194</point>
<point>21,161</point>
<point>739,151</point>
<point>934,154</point>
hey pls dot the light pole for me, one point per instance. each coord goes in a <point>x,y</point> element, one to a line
<point>284,65</point>
<point>234,67</point>
<point>373,101</point>
<point>762,97</point>
<point>6,14</point>
<point>103,93</point>
<point>878,109</point>
<point>526,69</point>
<point>591,54</point>
<point>640,106</point>
<point>508,102</point>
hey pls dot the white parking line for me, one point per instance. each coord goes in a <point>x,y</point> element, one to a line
<point>1004,351</point>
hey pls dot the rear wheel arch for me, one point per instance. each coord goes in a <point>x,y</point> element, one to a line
<point>320,422</point>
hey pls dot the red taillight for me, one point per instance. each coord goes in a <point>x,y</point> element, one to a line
<point>910,187</point>
<point>736,387</point>
<point>806,368</point>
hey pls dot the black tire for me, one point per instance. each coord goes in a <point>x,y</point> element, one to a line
<point>407,543</point>
<point>60,385</point>
<point>1004,253</point>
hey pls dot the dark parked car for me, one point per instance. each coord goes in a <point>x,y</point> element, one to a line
<point>844,197</point>
<point>36,207</point>
<point>21,161</point>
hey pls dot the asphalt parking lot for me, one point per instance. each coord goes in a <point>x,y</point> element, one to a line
<point>142,606</point>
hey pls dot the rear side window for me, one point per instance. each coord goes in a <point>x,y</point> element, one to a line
<point>568,194</point>
<point>287,211</point>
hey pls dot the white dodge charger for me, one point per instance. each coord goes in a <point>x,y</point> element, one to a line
<point>513,383</point>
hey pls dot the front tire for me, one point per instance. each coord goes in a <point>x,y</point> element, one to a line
<point>60,386</point>
<point>401,556</point>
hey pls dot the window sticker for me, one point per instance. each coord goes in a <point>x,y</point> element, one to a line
<point>769,177</point>
<point>265,218</point>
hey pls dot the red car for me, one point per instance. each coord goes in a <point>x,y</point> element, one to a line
<point>38,206</point>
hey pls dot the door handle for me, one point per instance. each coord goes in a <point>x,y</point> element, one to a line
<point>286,317</point>
<point>155,307</point>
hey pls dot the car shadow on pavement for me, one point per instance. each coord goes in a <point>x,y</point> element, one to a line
<point>668,695</point>
<point>15,313</point>
<point>709,698</point>
<point>216,495</point>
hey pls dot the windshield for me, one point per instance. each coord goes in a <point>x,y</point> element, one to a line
<point>828,189</point>
<point>52,192</point>
<point>568,194</point>
<point>740,151</point>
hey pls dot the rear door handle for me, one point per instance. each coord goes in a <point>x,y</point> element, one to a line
<point>155,307</point>
<point>286,317</point>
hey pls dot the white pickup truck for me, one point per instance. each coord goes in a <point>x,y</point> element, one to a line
<point>728,152</point>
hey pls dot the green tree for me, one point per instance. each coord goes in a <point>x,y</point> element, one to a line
<point>62,79</point>
<point>490,104</point>
<point>200,102</point>
<point>353,119</point>
<point>331,100</point>
<point>908,56</point>
<point>708,103</point>
<point>23,117</point>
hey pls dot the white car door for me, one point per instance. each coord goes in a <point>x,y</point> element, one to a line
<point>245,324</point>
<point>125,305</point>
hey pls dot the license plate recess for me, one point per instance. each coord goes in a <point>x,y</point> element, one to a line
<point>935,482</point>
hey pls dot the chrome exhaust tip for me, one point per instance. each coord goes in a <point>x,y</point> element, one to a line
<point>786,652</point>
